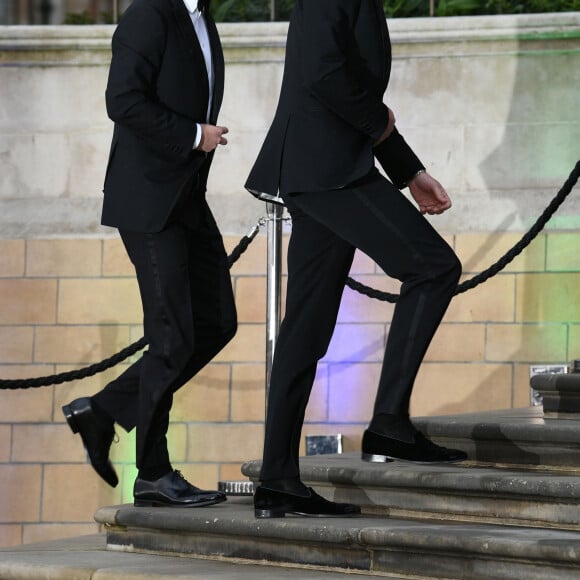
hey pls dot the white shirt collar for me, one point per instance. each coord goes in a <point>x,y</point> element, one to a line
<point>191,6</point>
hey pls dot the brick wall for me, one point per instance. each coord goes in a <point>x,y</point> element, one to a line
<point>70,302</point>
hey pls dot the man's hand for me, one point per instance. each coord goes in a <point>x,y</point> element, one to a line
<point>388,130</point>
<point>211,137</point>
<point>429,194</point>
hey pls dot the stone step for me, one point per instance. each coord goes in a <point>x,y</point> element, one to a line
<point>461,492</point>
<point>512,437</point>
<point>560,392</point>
<point>365,545</point>
<point>87,558</point>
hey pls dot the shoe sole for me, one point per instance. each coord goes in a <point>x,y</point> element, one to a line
<point>265,514</point>
<point>374,458</point>
<point>153,503</point>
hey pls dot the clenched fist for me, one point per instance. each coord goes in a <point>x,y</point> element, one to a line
<point>211,137</point>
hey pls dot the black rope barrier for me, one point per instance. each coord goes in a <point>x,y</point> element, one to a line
<point>353,284</point>
<point>128,351</point>
<point>503,261</point>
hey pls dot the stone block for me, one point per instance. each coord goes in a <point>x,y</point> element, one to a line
<point>28,96</point>
<point>16,344</point>
<point>33,533</point>
<point>231,472</point>
<point>251,298</point>
<point>562,252</point>
<point>127,476</point>
<point>249,345</point>
<point>457,342</point>
<point>253,260</point>
<point>479,251</point>
<point>10,535</point>
<point>495,149</point>
<point>26,168</point>
<point>54,258</point>
<point>123,449</point>
<point>78,344</point>
<point>12,258</point>
<point>362,265</point>
<point>492,301</point>
<point>42,443</point>
<point>248,392</point>
<point>115,259</point>
<point>351,392</point>
<point>89,153</point>
<point>224,443</point>
<point>177,442</point>
<point>25,405</point>
<point>356,307</point>
<point>204,398</point>
<point>203,475</point>
<point>522,395</point>
<point>447,388</point>
<point>356,343</point>
<point>526,343</point>
<point>442,150</point>
<point>263,82</point>
<point>21,491</point>
<point>549,297</point>
<point>66,392</point>
<point>28,301</point>
<point>72,493</point>
<point>5,443</point>
<point>317,408</point>
<point>101,301</point>
<point>573,342</point>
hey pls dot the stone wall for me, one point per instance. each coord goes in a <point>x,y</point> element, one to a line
<point>489,103</point>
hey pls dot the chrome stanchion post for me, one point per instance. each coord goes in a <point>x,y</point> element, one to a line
<point>273,220</point>
<point>273,284</point>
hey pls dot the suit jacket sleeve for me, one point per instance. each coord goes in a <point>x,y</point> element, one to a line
<point>397,159</point>
<point>138,47</point>
<point>327,31</point>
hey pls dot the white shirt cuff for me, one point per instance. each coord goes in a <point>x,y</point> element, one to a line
<point>197,137</point>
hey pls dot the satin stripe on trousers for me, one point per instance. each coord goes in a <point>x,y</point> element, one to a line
<point>189,316</point>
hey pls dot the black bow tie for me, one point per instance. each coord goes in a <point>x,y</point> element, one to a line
<point>202,5</point>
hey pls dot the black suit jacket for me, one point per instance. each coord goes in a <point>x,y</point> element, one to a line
<point>331,110</point>
<point>156,93</point>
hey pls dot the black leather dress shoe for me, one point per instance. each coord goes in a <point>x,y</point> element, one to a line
<point>380,448</point>
<point>97,436</point>
<point>173,490</point>
<point>269,503</point>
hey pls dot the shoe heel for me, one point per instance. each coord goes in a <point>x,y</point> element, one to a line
<point>373,458</point>
<point>262,514</point>
<point>143,503</point>
<point>70,418</point>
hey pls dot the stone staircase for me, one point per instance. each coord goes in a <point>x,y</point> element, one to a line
<point>512,511</point>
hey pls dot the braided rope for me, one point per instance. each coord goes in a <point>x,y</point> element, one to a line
<point>128,351</point>
<point>353,284</point>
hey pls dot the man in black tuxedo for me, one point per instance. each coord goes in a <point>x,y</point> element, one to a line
<point>318,156</point>
<point>164,93</point>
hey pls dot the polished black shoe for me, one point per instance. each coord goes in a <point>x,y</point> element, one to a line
<point>173,490</point>
<point>269,503</point>
<point>96,434</point>
<point>380,448</point>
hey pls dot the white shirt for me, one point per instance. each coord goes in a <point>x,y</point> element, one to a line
<point>200,27</point>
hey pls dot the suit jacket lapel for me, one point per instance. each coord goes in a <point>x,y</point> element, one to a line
<point>386,47</point>
<point>218,67</point>
<point>190,43</point>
